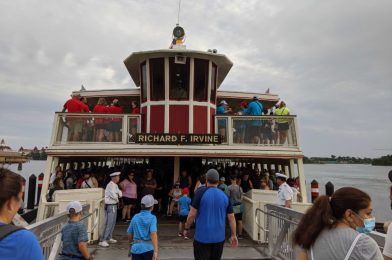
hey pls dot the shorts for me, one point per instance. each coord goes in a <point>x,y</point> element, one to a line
<point>182,218</point>
<point>283,126</point>
<point>76,125</point>
<point>129,201</point>
<point>144,256</point>
<point>115,126</point>
<point>101,126</point>
<point>238,216</point>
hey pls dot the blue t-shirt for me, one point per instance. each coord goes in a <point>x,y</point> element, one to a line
<point>212,206</point>
<point>20,245</point>
<point>72,233</point>
<point>184,203</point>
<point>142,224</point>
<point>220,110</point>
<point>255,108</point>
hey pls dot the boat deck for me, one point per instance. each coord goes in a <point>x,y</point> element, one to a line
<point>173,247</point>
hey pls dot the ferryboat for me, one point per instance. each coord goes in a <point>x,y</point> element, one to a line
<point>177,129</point>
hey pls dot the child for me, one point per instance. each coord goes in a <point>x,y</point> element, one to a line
<point>175,195</point>
<point>183,205</point>
<point>74,235</point>
<point>142,232</point>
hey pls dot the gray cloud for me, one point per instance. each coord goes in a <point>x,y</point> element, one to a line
<point>330,60</point>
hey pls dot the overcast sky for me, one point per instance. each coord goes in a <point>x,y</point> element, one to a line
<point>331,61</point>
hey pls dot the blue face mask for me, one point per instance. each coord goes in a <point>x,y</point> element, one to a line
<point>368,226</point>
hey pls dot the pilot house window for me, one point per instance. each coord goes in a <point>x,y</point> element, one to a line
<point>157,79</point>
<point>201,80</point>
<point>179,79</point>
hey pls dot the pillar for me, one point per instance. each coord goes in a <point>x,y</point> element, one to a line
<point>302,183</point>
<point>176,173</point>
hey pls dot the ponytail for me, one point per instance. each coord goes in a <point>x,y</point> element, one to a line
<point>315,220</point>
<point>325,213</point>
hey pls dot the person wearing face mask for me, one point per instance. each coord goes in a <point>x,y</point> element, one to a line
<point>15,243</point>
<point>336,228</point>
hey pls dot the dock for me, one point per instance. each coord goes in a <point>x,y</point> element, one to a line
<point>173,247</point>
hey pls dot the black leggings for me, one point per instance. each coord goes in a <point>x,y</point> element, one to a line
<point>211,251</point>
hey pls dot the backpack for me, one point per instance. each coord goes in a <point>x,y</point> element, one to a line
<point>8,229</point>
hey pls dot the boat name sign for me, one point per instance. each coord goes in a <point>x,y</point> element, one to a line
<point>178,138</point>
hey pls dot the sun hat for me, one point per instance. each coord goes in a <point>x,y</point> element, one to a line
<point>74,207</point>
<point>148,201</point>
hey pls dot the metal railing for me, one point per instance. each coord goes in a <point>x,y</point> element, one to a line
<point>71,128</point>
<point>258,130</point>
<point>280,224</point>
<point>48,231</point>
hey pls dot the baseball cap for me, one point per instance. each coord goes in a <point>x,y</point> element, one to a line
<point>74,207</point>
<point>115,174</point>
<point>280,175</point>
<point>185,190</point>
<point>212,175</point>
<point>222,178</point>
<point>223,102</point>
<point>148,201</point>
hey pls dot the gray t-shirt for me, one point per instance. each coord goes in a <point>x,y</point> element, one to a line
<point>234,192</point>
<point>335,243</point>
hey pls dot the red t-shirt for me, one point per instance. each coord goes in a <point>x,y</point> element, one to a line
<point>116,110</point>
<point>74,105</point>
<point>85,107</point>
<point>136,110</point>
<point>100,109</point>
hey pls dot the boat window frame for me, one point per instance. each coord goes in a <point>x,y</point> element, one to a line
<point>143,85</point>
<point>206,72</point>
<point>153,62</point>
<point>171,74</point>
<point>214,76</point>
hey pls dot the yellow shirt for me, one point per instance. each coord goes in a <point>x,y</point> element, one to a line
<point>282,111</point>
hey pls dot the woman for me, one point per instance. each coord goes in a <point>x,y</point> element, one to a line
<point>185,180</point>
<point>235,195</point>
<point>175,194</point>
<point>100,123</point>
<point>58,184</point>
<point>332,228</point>
<point>116,123</point>
<point>16,243</point>
<point>129,189</point>
<point>135,109</point>
<point>283,124</point>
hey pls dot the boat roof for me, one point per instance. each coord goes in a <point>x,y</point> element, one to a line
<point>133,61</point>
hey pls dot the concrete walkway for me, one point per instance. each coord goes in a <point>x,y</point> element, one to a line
<point>171,246</point>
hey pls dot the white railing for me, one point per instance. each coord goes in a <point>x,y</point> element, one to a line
<point>48,231</point>
<point>73,128</point>
<point>279,131</point>
<point>279,226</point>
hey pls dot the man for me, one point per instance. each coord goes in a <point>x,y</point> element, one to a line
<point>112,195</point>
<point>222,108</point>
<point>285,193</point>
<point>222,185</point>
<point>283,124</point>
<point>74,235</point>
<point>142,232</point>
<point>74,105</point>
<point>210,207</point>
<point>255,108</point>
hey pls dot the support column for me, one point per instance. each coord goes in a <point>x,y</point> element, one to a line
<point>292,170</point>
<point>286,170</point>
<point>176,173</point>
<point>51,163</point>
<point>279,167</point>
<point>302,183</point>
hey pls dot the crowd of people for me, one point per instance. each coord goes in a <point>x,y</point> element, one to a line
<point>263,131</point>
<point>98,128</point>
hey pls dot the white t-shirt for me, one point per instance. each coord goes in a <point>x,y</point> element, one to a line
<point>388,242</point>
<point>285,193</point>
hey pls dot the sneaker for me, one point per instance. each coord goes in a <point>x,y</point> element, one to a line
<point>186,238</point>
<point>103,244</point>
<point>112,241</point>
<point>179,234</point>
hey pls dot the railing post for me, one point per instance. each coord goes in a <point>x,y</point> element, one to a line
<point>125,128</point>
<point>314,185</point>
<point>329,189</point>
<point>31,192</point>
<point>40,181</point>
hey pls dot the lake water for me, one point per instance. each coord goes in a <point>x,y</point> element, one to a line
<point>371,179</point>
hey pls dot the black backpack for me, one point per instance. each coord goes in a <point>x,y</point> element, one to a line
<point>8,229</point>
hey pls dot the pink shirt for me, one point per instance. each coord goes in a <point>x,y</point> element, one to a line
<point>129,189</point>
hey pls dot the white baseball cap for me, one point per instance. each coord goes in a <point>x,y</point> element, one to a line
<point>76,206</point>
<point>149,201</point>
<point>115,174</point>
<point>223,102</point>
<point>281,175</point>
